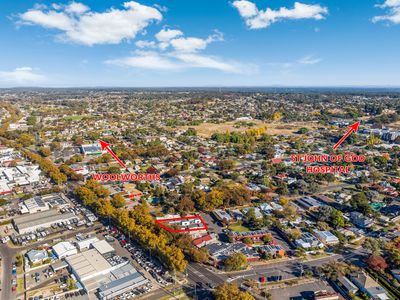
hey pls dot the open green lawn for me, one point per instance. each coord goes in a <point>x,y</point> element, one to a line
<point>238,228</point>
<point>75,118</point>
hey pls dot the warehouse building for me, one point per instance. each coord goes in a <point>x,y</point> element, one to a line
<point>4,187</point>
<point>44,219</point>
<point>103,276</point>
<point>42,203</point>
<point>122,285</point>
<point>64,249</point>
<point>20,175</point>
<point>85,244</point>
<point>33,205</point>
<point>88,265</point>
<point>103,247</point>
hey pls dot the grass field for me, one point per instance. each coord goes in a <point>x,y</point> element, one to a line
<point>238,228</point>
<point>76,117</point>
<point>207,129</point>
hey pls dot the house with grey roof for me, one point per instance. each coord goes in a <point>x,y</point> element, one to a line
<point>37,256</point>
<point>369,286</point>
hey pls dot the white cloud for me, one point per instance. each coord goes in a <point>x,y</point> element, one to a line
<point>173,51</point>
<point>309,60</point>
<point>21,76</point>
<point>145,44</point>
<point>246,9</point>
<point>175,61</point>
<point>257,19</point>
<point>190,44</point>
<point>393,14</point>
<point>165,35</point>
<point>146,60</point>
<point>51,19</point>
<point>192,60</point>
<point>80,25</point>
<point>76,8</point>
<point>193,44</point>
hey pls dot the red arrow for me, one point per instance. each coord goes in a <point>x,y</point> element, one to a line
<point>106,146</point>
<point>352,128</point>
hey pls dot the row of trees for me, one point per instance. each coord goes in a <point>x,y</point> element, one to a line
<point>47,166</point>
<point>136,223</point>
<point>229,291</point>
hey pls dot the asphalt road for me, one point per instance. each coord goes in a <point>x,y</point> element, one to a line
<point>287,269</point>
<point>7,255</point>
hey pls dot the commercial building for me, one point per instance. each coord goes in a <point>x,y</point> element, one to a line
<point>20,175</point>
<point>33,205</point>
<point>122,285</point>
<point>85,244</point>
<point>221,251</point>
<point>44,219</point>
<point>273,250</point>
<point>205,240</point>
<point>55,200</point>
<point>103,247</point>
<point>103,276</point>
<point>88,264</point>
<point>4,187</point>
<point>255,235</point>
<point>64,249</point>
<point>42,203</point>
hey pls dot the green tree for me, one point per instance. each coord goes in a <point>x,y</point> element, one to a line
<point>199,255</point>
<point>71,284</point>
<point>226,164</point>
<point>360,203</point>
<point>186,204</point>
<point>215,199</point>
<point>230,291</point>
<point>235,262</point>
<point>44,151</point>
<point>190,132</point>
<point>31,120</point>
<point>26,139</point>
<point>114,170</point>
<point>372,245</point>
<point>267,239</point>
<point>102,192</point>
<point>118,200</point>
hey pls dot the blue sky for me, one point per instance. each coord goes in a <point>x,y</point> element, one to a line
<point>200,43</point>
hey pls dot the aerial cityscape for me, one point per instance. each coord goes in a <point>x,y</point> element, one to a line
<point>227,150</point>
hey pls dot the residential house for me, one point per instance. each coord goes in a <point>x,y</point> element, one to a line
<point>37,256</point>
<point>359,220</point>
<point>369,286</point>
